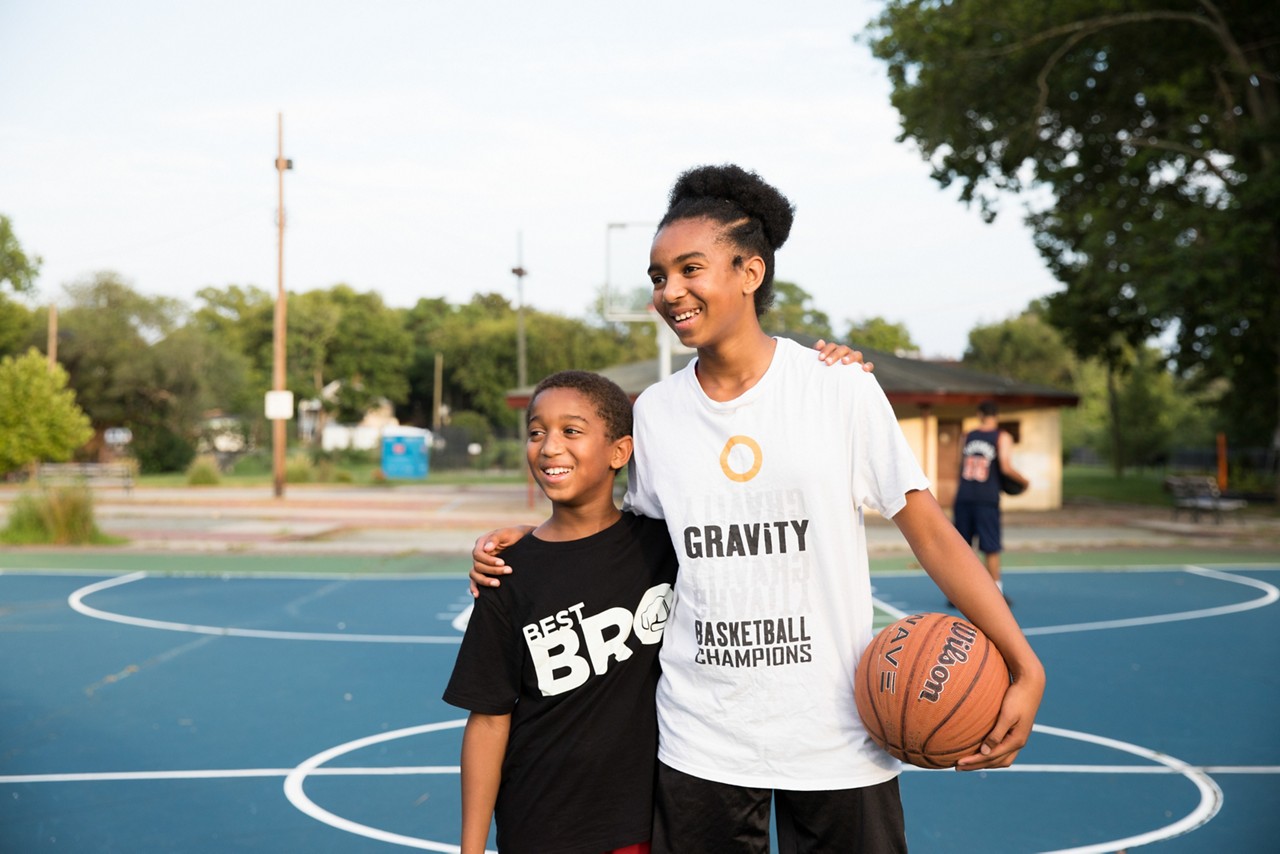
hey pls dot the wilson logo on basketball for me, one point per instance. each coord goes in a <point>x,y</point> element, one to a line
<point>954,651</point>
<point>953,682</point>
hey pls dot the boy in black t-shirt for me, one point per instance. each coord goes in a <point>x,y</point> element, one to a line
<point>559,665</point>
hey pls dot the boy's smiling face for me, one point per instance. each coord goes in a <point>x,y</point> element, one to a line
<point>569,450</point>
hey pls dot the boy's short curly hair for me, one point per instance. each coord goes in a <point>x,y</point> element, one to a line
<point>611,402</point>
<point>756,217</point>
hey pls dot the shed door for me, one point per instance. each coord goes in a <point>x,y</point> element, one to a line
<point>949,439</point>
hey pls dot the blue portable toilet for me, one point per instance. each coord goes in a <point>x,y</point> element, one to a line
<point>404,452</point>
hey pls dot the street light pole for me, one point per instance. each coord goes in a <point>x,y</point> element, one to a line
<point>522,377</point>
<point>279,436</point>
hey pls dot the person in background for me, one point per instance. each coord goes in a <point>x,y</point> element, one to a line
<point>986,464</point>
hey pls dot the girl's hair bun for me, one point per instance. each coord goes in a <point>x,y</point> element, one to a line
<point>713,187</point>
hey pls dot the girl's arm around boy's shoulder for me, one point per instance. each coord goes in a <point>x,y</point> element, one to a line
<point>484,744</point>
<point>953,566</point>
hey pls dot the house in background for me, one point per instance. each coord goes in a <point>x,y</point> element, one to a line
<point>936,404</point>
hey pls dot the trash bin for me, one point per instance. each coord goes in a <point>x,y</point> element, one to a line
<point>404,453</point>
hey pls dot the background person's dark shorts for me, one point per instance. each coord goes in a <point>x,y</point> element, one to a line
<point>981,521</point>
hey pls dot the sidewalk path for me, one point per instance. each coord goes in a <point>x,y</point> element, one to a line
<point>447,520</point>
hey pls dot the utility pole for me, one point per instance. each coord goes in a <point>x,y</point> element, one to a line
<point>437,394</point>
<point>279,401</point>
<point>522,378</point>
<point>51,349</point>
<point>522,370</point>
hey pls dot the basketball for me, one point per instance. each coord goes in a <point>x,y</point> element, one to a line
<point>929,689</point>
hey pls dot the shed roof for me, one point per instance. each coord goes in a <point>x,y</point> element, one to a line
<point>905,381</point>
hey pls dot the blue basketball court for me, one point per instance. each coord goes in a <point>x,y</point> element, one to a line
<point>157,711</point>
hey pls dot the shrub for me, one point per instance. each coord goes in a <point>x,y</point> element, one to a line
<point>203,471</point>
<point>503,454</point>
<point>60,516</point>
<point>160,449</point>
<point>354,457</point>
<point>299,469</point>
<point>253,463</point>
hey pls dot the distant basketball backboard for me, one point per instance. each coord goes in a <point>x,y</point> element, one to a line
<point>627,292</point>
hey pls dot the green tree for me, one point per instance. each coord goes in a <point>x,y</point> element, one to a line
<point>477,342</point>
<point>879,334</point>
<point>793,311</point>
<point>352,338</point>
<point>240,318</point>
<point>372,353</point>
<point>1024,348</point>
<point>1087,424</point>
<point>105,345</point>
<point>1153,130</point>
<point>17,324</point>
<point>1158,412</point>
<point>132,366</point>
<point>422,321</point>
<point>196,375</point>
<point>39,418</point>
<point>16,267</point>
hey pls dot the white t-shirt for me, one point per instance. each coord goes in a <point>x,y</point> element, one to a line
<point>763,499</point>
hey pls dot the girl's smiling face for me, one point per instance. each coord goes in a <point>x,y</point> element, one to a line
<point>703,295</point>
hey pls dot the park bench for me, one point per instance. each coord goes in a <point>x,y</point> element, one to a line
<point>86,474</point>
<point>1197,494</point>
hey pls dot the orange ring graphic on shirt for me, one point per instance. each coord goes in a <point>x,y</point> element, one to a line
<point>757,458</point>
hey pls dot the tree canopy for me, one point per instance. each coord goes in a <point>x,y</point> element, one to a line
<point>39,418</point>
<point>881,334</point>
<point>16,267</point>
<point>1025,348</point>
<point>1148,135</point>
<point>793,311</point>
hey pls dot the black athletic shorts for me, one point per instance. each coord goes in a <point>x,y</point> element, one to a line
<point>981,521</point>
<point>692,814</point>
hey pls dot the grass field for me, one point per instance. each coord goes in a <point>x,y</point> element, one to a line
<point>1100,483</point>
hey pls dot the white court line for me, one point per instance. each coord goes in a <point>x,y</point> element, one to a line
<point>1210,793</point>
<point>463,619</point>
<point>1119,769</point>
<point>896,613</point>
<point>76,601</point>
<point>1210,800</point>
<point>294,792</point>
<point>1270,594</point>
<point>225,574</point>
<point>224,774</point>
<point>438,770</point>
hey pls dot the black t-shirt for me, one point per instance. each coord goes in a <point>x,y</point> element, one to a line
<point>568,645</point>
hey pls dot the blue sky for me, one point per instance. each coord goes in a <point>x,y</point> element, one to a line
<point>430,139</point>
